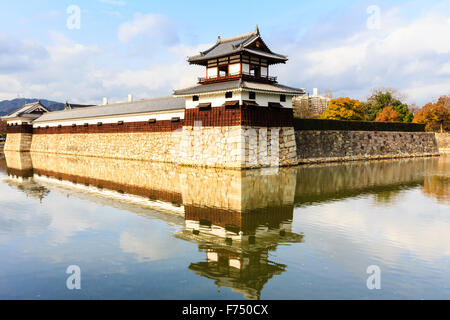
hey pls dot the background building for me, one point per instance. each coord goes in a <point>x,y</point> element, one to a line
<point>310,106</point>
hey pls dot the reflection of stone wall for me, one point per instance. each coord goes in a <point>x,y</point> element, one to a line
<point>319,146</point>
<point>327,182</point>
<point>139,174</point>
<point>443,141</point>
<point>437,184</point>
<point>18,160</point>
<point>196,187</point>
<point>268,189</point>
<point>214,188</point>
<point>239,191</point>
<point>18,142</point>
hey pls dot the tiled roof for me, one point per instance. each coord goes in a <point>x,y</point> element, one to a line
<point>26,111</point>
<point>69,106</point>
<point>238,84</point>
<point>141,106</point>
<point>235,45</point>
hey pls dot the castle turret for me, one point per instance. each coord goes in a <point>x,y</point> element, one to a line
<point>242,57</point>
<point>239,95</point>
<point>237,72</point>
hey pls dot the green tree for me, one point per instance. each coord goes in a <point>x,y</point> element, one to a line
<point>385,97</point>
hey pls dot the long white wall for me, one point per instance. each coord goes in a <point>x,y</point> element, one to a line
<point>114,119</point>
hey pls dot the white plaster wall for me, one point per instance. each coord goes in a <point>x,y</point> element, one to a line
<point>216,100</point>
<point>263,99</point>
<point>115,119</point>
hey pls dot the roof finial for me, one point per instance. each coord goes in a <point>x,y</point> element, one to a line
<point>257,30</point>
<point>218,38</point>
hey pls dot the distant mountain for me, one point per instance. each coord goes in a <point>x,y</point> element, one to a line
<point>8,106</point>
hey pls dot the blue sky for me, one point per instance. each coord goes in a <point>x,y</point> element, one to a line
<point>140,47</point>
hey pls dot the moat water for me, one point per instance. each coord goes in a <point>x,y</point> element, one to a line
<point>139,230</point>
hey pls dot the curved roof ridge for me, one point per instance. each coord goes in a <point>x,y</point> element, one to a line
<point>241,36</point>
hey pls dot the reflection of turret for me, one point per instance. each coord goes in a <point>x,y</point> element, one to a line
<point>237,222</point>
<point>244,272</point>
<point>237,245</point>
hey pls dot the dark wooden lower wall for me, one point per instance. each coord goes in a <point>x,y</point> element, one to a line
<point>21,128</point>
<point>240,116</point>
<point>145,126</point>
<point>151,194</point>
<point>212,117</point>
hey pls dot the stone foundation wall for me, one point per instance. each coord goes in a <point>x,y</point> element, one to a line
<point>226,147</point>
<point>237,147</point>
<point>443,141</point>
<point>326,146</point>
<point>18,142</point>
<point>152,146</point>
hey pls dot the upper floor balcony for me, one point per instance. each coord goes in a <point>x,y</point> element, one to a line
<point>237,76</point>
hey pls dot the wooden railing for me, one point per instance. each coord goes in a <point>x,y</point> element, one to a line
<point>245,76</point>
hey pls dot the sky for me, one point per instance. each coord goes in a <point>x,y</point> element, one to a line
<point>82,51</point>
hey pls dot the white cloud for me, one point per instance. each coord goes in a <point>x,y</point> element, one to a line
<point>155,27</point>
<point>405,54</point>
<point>405,228</point>
<point>68,70</point>
<point>18,55</point>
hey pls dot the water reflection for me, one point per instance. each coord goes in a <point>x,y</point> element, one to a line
<point>237,219</point>
<point>384,179</point>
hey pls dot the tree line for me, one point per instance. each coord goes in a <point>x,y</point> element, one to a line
<point>386,105</point>
<point>2,128</point>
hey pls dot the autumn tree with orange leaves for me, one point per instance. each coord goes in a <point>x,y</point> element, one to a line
<point>344,109</point>
<point>435,116</point>
<point>388,114</point>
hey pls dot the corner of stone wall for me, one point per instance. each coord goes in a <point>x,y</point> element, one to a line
<point>443,142</point>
